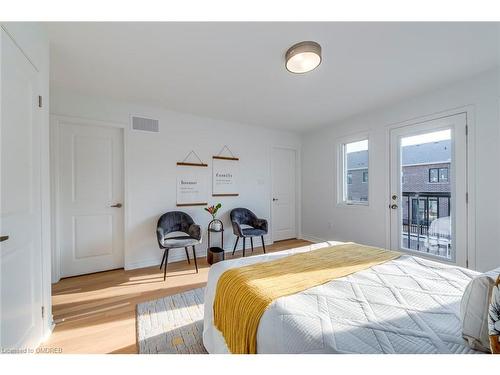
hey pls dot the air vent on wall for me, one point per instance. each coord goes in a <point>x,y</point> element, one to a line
<point>145,124</point>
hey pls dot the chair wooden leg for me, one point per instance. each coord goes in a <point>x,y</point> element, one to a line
<point>194,256</point>
<point>263,246</point>
<point>187,255</point>
<point>251,243</point>
<point>163,258</point>
<point>235,244</point>
<point>244,247</point>
<point>166,263</point>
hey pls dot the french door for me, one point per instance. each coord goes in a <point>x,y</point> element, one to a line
<point>428,201</point>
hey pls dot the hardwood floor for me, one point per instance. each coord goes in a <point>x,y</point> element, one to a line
<point>96,313</point>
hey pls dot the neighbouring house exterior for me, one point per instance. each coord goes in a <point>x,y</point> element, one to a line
<point>358,185</point>
<point>357,176</point>
<point>434,196</point>
<point>426,173</point>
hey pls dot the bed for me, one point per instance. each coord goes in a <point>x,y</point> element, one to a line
<point>406,305</point>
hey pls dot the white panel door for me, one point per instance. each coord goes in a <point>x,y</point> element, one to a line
<point>20,219</point>
<point>90,222</point>
<point>428,189</point>
<point>283,194</point>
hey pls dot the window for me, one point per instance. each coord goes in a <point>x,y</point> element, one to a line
<point>354,177</point>
<point>443,174</point>
<point>349,178</point>
<point>438,175</point>
<point>434,175</point>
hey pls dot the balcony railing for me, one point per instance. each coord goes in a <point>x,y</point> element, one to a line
<point>420,229</point>
<point>427,228</point>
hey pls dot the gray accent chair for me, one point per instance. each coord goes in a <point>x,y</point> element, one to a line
<point>177,221</point>
<point>258,227</point>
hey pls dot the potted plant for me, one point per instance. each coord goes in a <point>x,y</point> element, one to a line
<point>212,210</point>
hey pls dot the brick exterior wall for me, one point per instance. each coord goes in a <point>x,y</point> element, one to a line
<point>416,179</point>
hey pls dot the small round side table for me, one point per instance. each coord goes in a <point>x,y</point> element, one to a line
<point>214,253</point>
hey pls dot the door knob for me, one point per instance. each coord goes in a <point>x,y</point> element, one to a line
<point>393,206</point>
<point>4,238</point>
<point>118,205</point>
<point>275,199</point>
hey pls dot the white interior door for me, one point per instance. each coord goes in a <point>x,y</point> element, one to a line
<point>90,222</point>
<point>283,194</point>
<point>428,189</point>
<point>20,219</point>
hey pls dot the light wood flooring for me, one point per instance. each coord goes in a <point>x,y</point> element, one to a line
<point>96,313</point>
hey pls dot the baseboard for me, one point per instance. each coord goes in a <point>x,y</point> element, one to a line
<point>48,328</point>
<point>176,255</point>
<point>310,238</point>
<point>200,253</point>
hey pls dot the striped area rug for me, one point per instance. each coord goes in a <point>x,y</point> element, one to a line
<point>172,325</point>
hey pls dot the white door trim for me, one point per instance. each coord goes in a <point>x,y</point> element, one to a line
<point>298,189</point>
<point>55,122</point>
<point>469,111</point>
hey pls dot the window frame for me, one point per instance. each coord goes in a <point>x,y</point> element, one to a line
<point>447,174</point>
<point>342,191</point>
<point>437,175</point>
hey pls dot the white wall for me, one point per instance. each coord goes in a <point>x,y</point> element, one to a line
<point>151,167</point>
<point>34,42</point>
<point>323,219</point>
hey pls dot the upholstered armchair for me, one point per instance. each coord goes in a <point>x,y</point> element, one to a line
<point>176,221</point>
<point>246,224</point>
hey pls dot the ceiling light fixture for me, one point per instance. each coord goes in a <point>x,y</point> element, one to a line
<point>303,57</point>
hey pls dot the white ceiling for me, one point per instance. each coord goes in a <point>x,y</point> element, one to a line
<point>235,71</point>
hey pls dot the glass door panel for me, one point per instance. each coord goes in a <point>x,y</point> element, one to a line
<point>424,189</point>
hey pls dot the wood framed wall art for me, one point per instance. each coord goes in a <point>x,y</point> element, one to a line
<point>192,185</point>
<point>225,175</point>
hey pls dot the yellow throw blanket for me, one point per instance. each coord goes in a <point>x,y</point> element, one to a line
<point>243,294</point>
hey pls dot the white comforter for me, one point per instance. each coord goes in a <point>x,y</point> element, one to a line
<point>407,305</point>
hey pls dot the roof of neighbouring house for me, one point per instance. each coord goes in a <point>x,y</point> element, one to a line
<point>426,153</point>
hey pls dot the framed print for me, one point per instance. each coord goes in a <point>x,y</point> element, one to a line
<point>224,176</point>
<point>192,186</point>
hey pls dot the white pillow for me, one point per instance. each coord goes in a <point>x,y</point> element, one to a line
<point>474,310</point>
